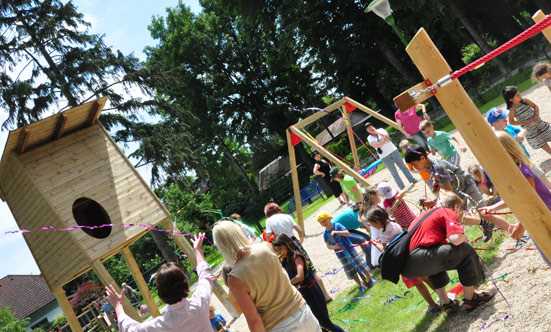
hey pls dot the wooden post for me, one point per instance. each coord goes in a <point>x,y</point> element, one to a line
<point>513,187</point>
<point>329,156</point>
<point>186,247</point>
<point>67,309</point>
<point>538,16</point>
<point>349,130</point>
<point>106,279</point>
<point>138,277</point>
<point>294,177</point>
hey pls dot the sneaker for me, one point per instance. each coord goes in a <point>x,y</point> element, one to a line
<point>362,289</point>
<point>487,230</point>
<point>371,282</point>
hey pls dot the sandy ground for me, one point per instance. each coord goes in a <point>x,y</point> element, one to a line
<point>526,306</point>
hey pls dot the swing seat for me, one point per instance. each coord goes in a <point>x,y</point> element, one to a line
<point>371,169</point>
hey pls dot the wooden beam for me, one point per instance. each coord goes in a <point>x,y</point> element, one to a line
<point>24,140</point>
<point>329,156</point>
<point>60,125</point>
<point>404,101</point>
<point>96,111</point>
<point>515,190</point>
<point>538,16</point>
<point>106,279</point>
<point>67,309</point>
<point>350,133</point>
<point>140,281</point>
<point>320,114</point>
<point>372,112</point>
<point>294,177</point>
<point>188,250</point>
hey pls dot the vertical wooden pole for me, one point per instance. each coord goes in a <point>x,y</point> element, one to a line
<point>186,247</point>
<point>106,279</point>
<point>329,156</point>
<point>349,129</point>
<point>296,185</point>
<point>140,281</point>
<point>513,187</point>
<point>67,309</point>
<point>538,16</point>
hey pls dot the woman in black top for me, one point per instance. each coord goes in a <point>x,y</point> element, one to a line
<point>302,277</point>
<point>322,168</point>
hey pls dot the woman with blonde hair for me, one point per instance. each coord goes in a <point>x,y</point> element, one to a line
<point>259,284</point>
<point>517,154</point>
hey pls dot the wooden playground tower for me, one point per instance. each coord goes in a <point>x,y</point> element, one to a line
<point>515,190</point>
<point>66,171</point>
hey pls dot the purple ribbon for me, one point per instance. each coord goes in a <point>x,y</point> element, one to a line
<point>101,226</point>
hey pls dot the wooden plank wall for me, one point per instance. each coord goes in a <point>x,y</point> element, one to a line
<point>58,257</point>
<point>87,164</point>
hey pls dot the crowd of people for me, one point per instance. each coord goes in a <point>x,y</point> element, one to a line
<point>275,283</point>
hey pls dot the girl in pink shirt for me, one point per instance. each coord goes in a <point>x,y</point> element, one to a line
<point>408,122</point>
<point>182,314</point>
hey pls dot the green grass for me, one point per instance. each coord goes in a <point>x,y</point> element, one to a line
<point>383,314</point>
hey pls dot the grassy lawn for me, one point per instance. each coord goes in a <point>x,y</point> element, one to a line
<point>391,307</point>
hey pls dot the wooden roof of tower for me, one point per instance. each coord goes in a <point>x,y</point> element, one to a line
<point>50,129</point>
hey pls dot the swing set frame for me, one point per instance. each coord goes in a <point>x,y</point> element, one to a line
<point>295,136</point>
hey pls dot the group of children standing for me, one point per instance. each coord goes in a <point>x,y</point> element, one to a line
<point>383,211</point>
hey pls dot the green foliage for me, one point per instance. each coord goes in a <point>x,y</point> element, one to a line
<point>470,53</point>
<point>59,320</point>
<point>8,323</point>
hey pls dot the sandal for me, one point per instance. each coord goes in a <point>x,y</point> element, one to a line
<point>451,306</point>
<point>477,300</point>
<point>521,242</point>
<point>433,309</point>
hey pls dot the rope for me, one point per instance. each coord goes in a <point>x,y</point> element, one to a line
<point>528,33</point>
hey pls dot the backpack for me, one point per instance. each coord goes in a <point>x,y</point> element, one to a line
<point>394,256</point>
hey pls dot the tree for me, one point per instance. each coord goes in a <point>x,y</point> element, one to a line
<point>8,323</point>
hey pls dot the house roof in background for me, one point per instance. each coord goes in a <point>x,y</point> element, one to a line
<point>24,294</point>
<point>338,127</point>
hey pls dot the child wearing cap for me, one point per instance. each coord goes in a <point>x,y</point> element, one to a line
<point>497,118</point>
<point>440,141</point>
<point>336,238</point>
<point>395,205</point>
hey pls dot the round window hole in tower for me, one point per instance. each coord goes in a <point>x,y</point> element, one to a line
<point>88,212</point>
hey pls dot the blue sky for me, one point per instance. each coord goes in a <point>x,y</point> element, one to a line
<point>124,24</point>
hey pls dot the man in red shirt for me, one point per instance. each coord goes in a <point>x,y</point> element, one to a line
<point>439,245</point>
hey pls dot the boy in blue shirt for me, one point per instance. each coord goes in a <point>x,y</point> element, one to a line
<point>218,322</point>
<point>349,219</point>
<point>336,238</point>
<point>440,141</point>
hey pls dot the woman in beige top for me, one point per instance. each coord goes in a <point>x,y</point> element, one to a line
<point>260,286</point>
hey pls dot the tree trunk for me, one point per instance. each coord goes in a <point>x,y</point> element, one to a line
<point>166,250</point>
<point>397,64</point>
<point>478,39</point>
<point>252,186</point>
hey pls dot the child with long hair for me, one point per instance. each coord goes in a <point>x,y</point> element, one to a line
<point>369,199</point>
<point>378,218</point>
<point>304,280</point>
<point>525,113</point>
<point>524,164</point>
<point>541,72</point>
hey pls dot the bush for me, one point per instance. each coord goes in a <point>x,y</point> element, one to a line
<point>87,292</point>
<point>59,320</point>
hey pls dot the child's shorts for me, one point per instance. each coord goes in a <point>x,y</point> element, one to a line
<point>410,282</point>
<point>357,260</point>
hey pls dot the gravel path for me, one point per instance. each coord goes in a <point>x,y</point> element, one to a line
<point>526,286</point>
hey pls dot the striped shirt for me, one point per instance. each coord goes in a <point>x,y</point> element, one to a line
<point>403,214</point>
